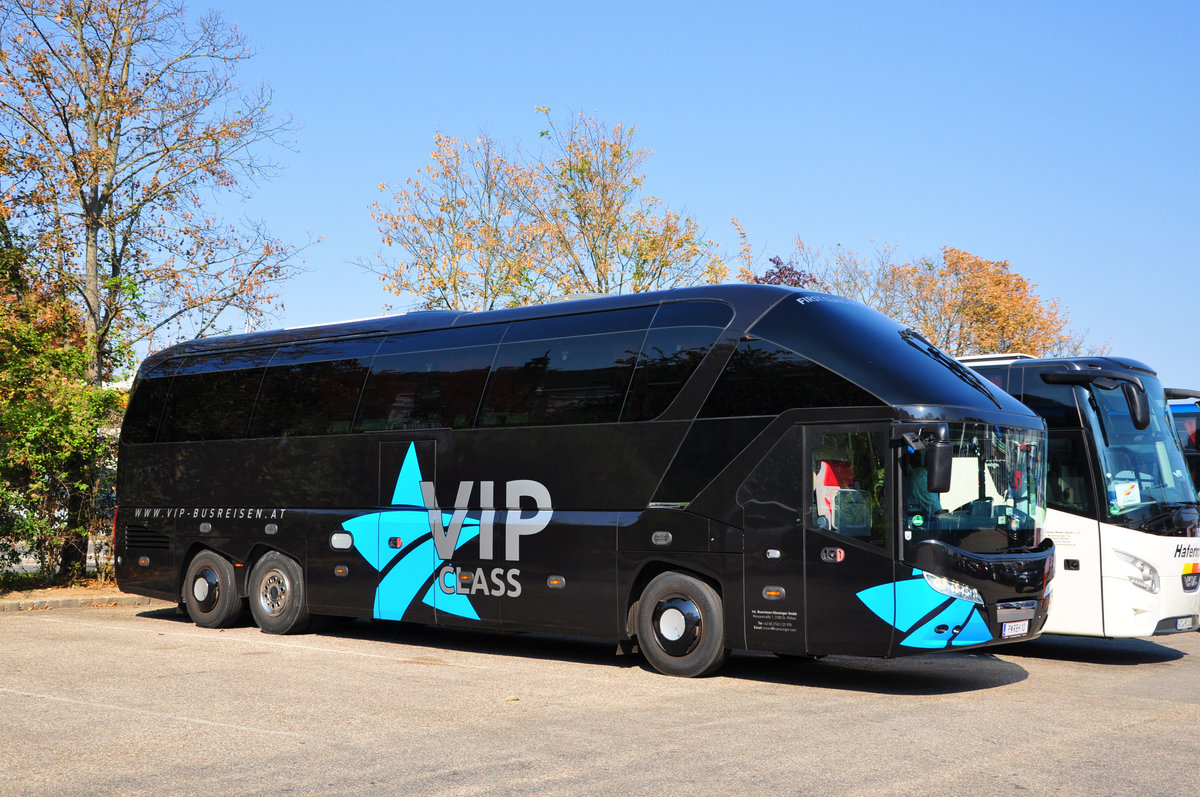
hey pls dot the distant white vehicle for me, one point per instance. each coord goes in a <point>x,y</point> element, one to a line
<point>1121,507</point>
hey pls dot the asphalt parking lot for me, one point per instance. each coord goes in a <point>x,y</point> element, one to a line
<point>136,700</point>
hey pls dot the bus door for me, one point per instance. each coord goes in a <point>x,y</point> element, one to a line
<point>847,547</point>
<point>772,499</point>
<point>815,515</point>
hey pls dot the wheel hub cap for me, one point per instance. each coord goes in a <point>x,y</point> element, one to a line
<point>677,625</point>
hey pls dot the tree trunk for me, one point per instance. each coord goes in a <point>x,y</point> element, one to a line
<point>91,298</point>
<point>73,560</point>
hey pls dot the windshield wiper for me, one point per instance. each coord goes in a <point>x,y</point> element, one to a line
<point>919,342</point>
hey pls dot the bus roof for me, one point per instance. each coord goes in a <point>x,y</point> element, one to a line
<point>422,320</point>
<point>1069,363</point>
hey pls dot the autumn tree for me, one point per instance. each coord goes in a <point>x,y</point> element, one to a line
<point>122,121</point>
<point>965,304</point>
<point>57,451</point>
<point>962,303</point>
<point>479,228</point>
<point>467,240</point>
<point>603,234</point>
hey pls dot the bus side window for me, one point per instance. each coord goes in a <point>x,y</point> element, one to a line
<point>565,369</point>
<point>579,379</point>
<point>848,478</point>
<point>424,389</point>
<point>1055,403</point>
<point>667,360</point>
<point>764,378</point>
<point>1068,483</point>
<point>312,389</point>
<point>776,485</point>
<point>212,396</point>
<point>147,403</point>
<point>680,336</point>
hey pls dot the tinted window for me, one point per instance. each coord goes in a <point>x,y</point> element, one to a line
<point>693,314</point>
<point>312,389</point>
<point>212,396</point>
<point>1068,476</point>
<point>147,402</point>
<point>1055,403</point>
<point>873,351</point>
<point>680,337</point>
<point>578,379</point>
<point>779,478</point>
<point>763,378</point>
<point>424,389</point>
<point>637,318</point>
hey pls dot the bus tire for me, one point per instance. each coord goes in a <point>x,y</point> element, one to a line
<point>277,600</point>
<point>681,626</point>
<point>210,591</point>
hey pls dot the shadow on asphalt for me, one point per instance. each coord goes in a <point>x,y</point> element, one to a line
<point>934,674</point>
<point>1093,651</point>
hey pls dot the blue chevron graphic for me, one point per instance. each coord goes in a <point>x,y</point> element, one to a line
<point>904,603</point>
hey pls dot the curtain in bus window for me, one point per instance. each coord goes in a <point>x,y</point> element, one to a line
<point>764,378</point>
<point>212,396</point>
<point>312,389</point>
<point>424,389</point>
<point>578,379</point>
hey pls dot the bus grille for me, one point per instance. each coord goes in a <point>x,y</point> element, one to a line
<point>142,537</point>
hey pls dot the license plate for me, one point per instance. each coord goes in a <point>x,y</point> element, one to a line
<point>1019,628</point>
<point>1184,624</point>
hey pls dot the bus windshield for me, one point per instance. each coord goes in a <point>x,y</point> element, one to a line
<point>1143,470</point>
<point>996,499</point>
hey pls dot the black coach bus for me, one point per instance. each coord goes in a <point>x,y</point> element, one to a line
<point>690,471</point>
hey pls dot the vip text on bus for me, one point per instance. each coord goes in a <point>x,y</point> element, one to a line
<point>1122,507</point>
<point>690,471</point>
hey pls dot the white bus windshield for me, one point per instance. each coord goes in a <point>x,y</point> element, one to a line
<point>1144,472</point>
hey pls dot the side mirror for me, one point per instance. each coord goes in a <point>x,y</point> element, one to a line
<point>1139,405</point>
<point>939,455</point>
<point>1131,386</point>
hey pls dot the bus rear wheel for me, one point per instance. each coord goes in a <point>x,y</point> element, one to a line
<point>210,592</point>
<point>681,626</point>
<point>277,600</point>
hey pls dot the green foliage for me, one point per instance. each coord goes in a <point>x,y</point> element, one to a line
<point>57,438</point>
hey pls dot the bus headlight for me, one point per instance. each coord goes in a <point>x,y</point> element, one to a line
<point>1141,574</point>
<point>953,589</point>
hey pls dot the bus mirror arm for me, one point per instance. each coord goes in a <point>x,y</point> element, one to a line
<point>1131,386</point>
<point>1176,393</point>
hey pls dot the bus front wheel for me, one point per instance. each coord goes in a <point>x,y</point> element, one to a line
<point>681,626</point>
<point>209,592</point>
<point>277,600</point>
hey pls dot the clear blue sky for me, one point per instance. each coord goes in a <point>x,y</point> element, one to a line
<point>1061,137</point>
